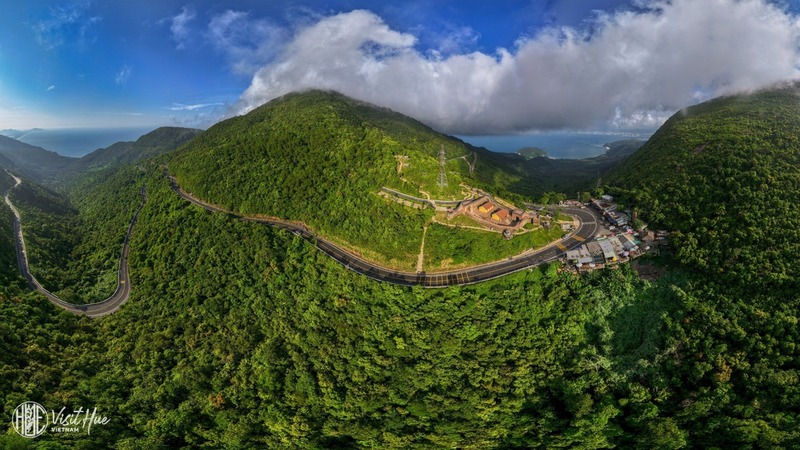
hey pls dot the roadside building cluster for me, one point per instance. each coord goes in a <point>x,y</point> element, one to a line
<point>606,250</point>
<point>617,242</point>
<point>605,205</point>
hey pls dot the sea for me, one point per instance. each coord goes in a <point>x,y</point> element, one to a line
<point>77,142</point>
<point>560,144</point>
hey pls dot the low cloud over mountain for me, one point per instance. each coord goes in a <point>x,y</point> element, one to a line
<point>628,68</point>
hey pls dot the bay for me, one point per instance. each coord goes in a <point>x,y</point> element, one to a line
<point>558,145</point>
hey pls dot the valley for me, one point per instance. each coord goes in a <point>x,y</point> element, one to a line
<point>98,309</point>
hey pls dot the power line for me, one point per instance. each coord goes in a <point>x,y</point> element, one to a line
<point>441,180</point>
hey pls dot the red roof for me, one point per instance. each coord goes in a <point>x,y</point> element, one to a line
<point>500,213</point>
<point>487,206</point>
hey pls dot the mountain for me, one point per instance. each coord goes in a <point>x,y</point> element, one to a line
<point>50,168</point>
<point>240,335</point>
<point>31,161</point>
<point>322,158</point>
<point>16,134</point>
<point>157,142</point>
<point>725,176</point>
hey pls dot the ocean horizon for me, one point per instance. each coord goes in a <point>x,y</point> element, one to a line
<point>77,142</point>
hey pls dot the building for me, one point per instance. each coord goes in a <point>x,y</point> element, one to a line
<point>607,198</point>
<point>580,255</point>
<point>616,245</point>
<point>628,242</point>
<point>486,207</point>
<point>488,214</point>
<point>500,215</point>
<point>608,251</point>
<point>596,252</point>
<point>615,218</point>
<point>603,207</point>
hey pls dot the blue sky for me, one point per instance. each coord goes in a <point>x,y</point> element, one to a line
<point>462,66</point>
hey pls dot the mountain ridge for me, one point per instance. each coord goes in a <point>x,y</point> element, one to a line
<point>32,161</point>
<point>725,171</point>
<point>154,143</point>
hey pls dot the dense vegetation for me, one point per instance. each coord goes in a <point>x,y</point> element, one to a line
<point>74,234</point>
<point>725,176</point>
<point>321,158</point>
<point>546,180</point>
<point>157,142</point>
<point>241,336</point>
<point>31,161</point>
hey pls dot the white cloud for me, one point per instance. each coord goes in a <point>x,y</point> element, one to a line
<point>456,40</point>
<point>182,107</point>
<point>630,69</point>
<point>179,26</point>
<point>123,74</point>
<point>51,88</point>
<point>248,43</point>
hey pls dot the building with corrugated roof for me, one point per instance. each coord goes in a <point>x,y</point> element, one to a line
<point>608,250</point>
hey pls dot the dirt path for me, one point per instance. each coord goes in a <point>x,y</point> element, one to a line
<point>421,256</point>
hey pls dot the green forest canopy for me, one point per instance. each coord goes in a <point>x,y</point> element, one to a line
<point>241,336</point>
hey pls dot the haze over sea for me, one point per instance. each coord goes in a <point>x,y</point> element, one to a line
<point>76,142</point>
<point>558,144</point>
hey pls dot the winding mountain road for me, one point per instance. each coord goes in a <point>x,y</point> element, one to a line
<point>588,227</point>
<point>99,309</point>
<point>476,274</point>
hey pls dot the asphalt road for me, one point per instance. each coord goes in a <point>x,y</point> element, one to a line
<point>588,227</point>
<point>99,309</point>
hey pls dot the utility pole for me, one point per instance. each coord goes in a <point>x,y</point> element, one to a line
<point>441,180</point>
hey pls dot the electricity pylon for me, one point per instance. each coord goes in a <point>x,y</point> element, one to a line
<point>441,180</point>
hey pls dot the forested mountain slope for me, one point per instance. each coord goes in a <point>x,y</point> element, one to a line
<point>157,142</point>
<point>11,282</point>
<point>725,175</point>
<point>30,161</point>
<point>322,158</point>
<point>238,335</point>
<point>73,241</point>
